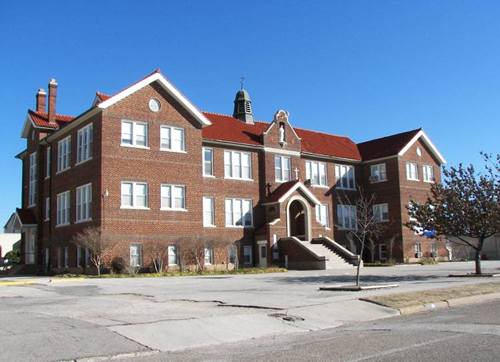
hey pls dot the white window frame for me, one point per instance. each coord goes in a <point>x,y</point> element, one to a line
<point>382,252</point>
<point>47,209</point>
<point>317,173</point>
<point>379,210</point>
<point>83,203</point>
<point>428,173</point>
<point>170,148</point>
<point>210,163</point>
<point>234,170</point>
<point>172,254</point>
<point>281,173</point>
<point>208,256</point>
<point>63,208</point>
<point>169,205</point>
<point>64,154</point>
<point>322,215</point>
<point>87,257</point>
<point>48,161</point>
<point>138,255</point>
<point>78,256</point>
<point>209,221</point>
<point>412,166</point>
<point>378,173</point>
<point>66,257</point>
<point>85,142</point>
<point>346,217</point>
<point>248,252</point>
<point>33,180</point>
<point>232,212</point>
<point>346,177</point>
<point>134,195</point>
<point>418,249</point>
<point>134,134</point>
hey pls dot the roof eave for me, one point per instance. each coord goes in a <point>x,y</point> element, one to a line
<point>428,142</point>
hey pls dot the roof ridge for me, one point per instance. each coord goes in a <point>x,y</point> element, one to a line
<point>321,132</point>
<point>392,135</point>
<point>231,116</point>
<point>46,113</point>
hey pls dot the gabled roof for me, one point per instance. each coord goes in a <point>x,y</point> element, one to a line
<point>41,120</point>
<point>26,217</point>
<point>156,76</point>
<point>285,190</point>
<point>229,129</point>
<point>396,145</point>
<point>385,146</point>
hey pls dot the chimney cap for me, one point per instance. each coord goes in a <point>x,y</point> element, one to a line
<point>41,91</point>
<point>53,82</point>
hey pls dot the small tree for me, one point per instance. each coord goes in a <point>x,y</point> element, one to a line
<point>367,226</point>
<point>99,246</point>
<point>465,206</point>
<point>157,251</point>
<point>191,251</point>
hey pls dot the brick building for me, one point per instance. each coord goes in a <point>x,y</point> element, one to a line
<point>145,164</point>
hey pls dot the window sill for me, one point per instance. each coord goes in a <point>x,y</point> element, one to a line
<point>171,209</point>
<point>209,176</point>
<point>83,221</point>
<point>238,179</point>
<point>30,206</point>
<point>209,226</point>
<point>281,181</point>
<point>62,225</point>
<point>46,220</point>
<point>80,162</point>
<point>239,227</point>
<point>412,179</point>
<point>172,151</point>
<point>47,177</point>
<point>134,208</point>
<point>377,182</point>
<point>320,186</point>
<point>134,146</point>
<point>429,182</point>
<point>61,171</point>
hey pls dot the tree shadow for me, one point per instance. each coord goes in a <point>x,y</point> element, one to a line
<point>329,279</point>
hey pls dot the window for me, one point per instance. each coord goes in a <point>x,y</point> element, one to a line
<point>239,212</point>
<point>237,165</point>
<point>79,261</point>
<point>134,134</point>
<point>172,255</point>
<point>172,139</point>
<point>63,208</point>
<point>428,172</point>
<point>32,193</point>
<point>434,250</point>
<point>47,161</point>
<point>346,216</point>
<point>232,254</point>
<point>84,142</point>
<point>377,173</point>
<point>66,257</point>
<point>134,195</point>
<point>247,255</point>
<point>173,197</point>
<point>208,160</point>
<point>209,256</point>
<point>345,177</point>
<point>87,257</point>
<point>412,171</point>
<point>418,249</point>
<point>136,255</point>
<point>47,208</point>
<point>316,172</point>
<point>381,212</point>
<point>322,214</point>
<point>59,256</point>
<point>84,203</point>
<point>63,154</point>
<point>382,252</point>
<point>282,168</point>
<point>208,211</point>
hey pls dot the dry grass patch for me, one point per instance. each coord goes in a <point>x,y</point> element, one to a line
<point>401,300</point>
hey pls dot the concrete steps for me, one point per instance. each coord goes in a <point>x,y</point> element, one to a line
<point>332,260</point>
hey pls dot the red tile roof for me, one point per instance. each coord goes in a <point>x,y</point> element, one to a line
<point>385,146</point>
<point>41,119</point>
<point>102,97</point>
<point>26,216</point>
<point>228,128</point>
<point>280,191</point>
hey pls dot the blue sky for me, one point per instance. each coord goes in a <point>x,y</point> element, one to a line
<point>359,68</point>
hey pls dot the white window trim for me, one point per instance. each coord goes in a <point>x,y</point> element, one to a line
<point>164,149</point>
<point>212,175</point>
<point>134,145</point>
<point>282,179</point>
<point>378,166</point>
<point>126,207</point>
<point>182,209</point>
<point>342,226</point>
<point>212,225</point>
<point>33,180</point>
<point>140,255</point>
<point>58,223</point>
<point>408,173</point>
<point>168,255</point>
<point>90,145</point>
<point>48,161</point>
<point>319,214</point>
<point>241,166</point>
<point>47,209</point>
<point>211,256</point>
<point>431,181</point>
<point>317,163</point>
<point>243,223</point>
<point>379,206</point>
<point>339,178</point>
<point>87,219</point>
<point>64,140</point>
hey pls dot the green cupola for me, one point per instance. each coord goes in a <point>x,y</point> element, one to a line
<point>243,107</point>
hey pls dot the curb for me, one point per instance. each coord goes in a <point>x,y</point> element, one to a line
<point>65,280</point>
<point>13,283</point>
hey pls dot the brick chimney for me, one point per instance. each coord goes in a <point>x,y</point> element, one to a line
<point>41,101</point>
<point>52,100</point>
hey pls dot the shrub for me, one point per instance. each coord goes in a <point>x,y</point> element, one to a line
<point>428,261</point>
<point>118,265</point>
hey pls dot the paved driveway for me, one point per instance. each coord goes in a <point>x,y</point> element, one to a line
<point>101,317</point>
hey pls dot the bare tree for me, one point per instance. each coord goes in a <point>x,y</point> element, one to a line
<point>191,251</point>
<point>157,251</point>
<point>99,246</point>
<point>465,206</point>
<point>367,226</point>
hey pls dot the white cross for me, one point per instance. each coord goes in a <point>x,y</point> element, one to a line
<point>296,173</point>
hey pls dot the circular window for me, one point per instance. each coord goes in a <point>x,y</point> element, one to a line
<point>154,105</point>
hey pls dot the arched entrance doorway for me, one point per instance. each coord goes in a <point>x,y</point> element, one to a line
<point>297,220</point>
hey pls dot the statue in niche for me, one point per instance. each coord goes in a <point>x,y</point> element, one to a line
<point>282,134</point>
